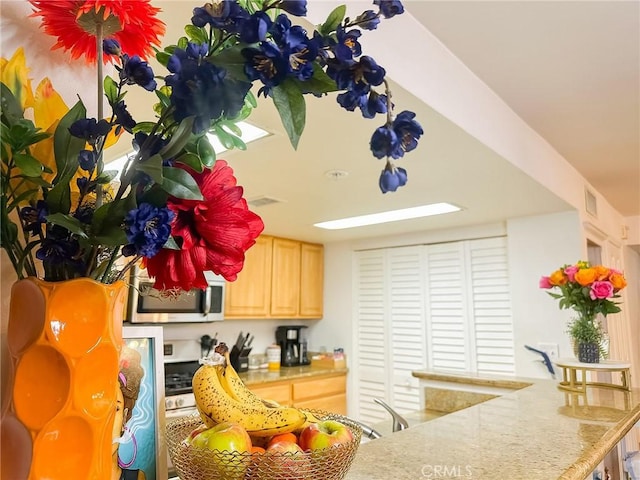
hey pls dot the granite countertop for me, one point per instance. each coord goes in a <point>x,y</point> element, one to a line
<point>535,432</point>
<point>263,376</point>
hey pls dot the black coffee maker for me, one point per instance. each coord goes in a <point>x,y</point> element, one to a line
<point>293,346</point>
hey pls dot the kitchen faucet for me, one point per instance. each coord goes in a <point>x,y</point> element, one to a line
<point>399,422</point>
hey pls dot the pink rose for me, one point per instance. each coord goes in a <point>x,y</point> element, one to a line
<point>601,290</point>
<point>571,272</point>
<point>545,282</point>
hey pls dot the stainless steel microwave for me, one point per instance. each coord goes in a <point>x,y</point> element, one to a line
<point>146,305</point>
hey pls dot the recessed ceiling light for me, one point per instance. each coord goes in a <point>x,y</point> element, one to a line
<point>250,133</point>
<point>390,216</point>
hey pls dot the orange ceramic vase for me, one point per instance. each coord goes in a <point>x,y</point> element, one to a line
<point>64,340</point>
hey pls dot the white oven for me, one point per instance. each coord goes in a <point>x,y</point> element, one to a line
<point>179,399</point>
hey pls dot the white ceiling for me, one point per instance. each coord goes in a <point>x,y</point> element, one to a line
<point>569,69</point>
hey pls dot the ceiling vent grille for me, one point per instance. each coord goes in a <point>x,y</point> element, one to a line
<point>262,201</point>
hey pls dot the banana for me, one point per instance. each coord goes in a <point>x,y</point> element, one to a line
<point>216,406</point>
<point>235,387</point>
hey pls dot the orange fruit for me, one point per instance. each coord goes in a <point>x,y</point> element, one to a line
<point>283,437</point>
<point>255,449</point>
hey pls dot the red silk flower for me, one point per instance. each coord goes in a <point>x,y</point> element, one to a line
<point>132,23</point>
<point>213,233</point>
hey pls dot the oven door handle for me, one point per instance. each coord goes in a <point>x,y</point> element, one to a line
<point>180,412</point>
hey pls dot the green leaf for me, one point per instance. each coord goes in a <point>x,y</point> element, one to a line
<point>192,160</point>
<point>29,165</point>
<point>163,58</point>
<point>206,152</point>
<point>333,20</point>
<point>152,167</point>
<point>289,101</point>
<point>72,224</point>
<point>106,176</point>
<point>180,184</point>
<point>164,98</point>
<point>112,236</point>
<point>111,90</point>
<point>196,34</point>
<point>66,148</point>
<point>224,137</point>
<point>238,143</point>
<point>155,196</point>
<point>183,42</point>
<point>145,127</point>
<point>179,139</point>
<point>10,106</point>
<point>319,83</point>
<point>232,60</point>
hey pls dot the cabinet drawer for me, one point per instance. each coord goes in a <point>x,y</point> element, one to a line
<point>334,404</point>
<point>322,387</point>
<point>280,393</point>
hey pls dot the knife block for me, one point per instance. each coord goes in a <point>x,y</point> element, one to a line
<point>240,359</point>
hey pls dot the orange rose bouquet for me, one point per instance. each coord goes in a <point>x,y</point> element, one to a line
<point>589,290</point>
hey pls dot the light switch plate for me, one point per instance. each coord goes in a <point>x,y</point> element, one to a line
<point>551,349</point>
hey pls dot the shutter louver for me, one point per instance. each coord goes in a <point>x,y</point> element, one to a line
<point>491,300</point>
<point>407,326</point>
<point>446,307</point>
<point>371,363</point>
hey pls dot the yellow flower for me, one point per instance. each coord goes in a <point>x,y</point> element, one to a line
<point>586,276</point>
<point>14,74</point>
<point>618,281</point>
<point>558,278</point>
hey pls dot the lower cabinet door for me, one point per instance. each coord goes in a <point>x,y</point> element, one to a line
<point>334,404</point>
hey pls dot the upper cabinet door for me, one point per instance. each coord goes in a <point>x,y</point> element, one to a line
<point>311,280</point>
<point>250,295</point>
<point>285,278</point>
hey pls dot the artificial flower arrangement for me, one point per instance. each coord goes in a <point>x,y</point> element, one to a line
<point>174,206</point>
<point>589,291</point>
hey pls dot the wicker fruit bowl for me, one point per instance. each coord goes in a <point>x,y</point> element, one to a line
<point>194,463</point>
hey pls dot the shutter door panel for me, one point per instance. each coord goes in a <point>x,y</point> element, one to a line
<point>371,346</point>
<point>491,303</point>
<point>407,326</point>
<point>445,307</point>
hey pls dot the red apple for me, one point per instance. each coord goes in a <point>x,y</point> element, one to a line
<point>324,434</point>
<point>286,459</point>
<point>231,441</point>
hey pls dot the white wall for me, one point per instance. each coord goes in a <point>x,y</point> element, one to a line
<point>228,330</point>
<point>537,246</point>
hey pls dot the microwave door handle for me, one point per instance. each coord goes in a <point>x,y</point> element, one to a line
<point>206,308</point>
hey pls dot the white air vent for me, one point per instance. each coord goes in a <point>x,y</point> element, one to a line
<point>262,201</point>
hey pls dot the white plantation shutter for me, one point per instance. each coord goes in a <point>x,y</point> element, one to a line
<point>370,357</point>
<point>406,305</point>
<point>491,304</point>
<point>446,307</point>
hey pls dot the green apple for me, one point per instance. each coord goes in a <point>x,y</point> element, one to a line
<point>324,434</point>
<point>231,446</point>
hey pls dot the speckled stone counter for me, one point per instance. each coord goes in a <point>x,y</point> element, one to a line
<point>258,377</point>
<point>534,433</point>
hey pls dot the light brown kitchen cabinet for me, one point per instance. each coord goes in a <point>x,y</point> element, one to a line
<point>250,295</point>
<point>281,278</point>
<point>285,278</point>
<point>311,280</point>
<point>327,393</point>
<point>280,392</point>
